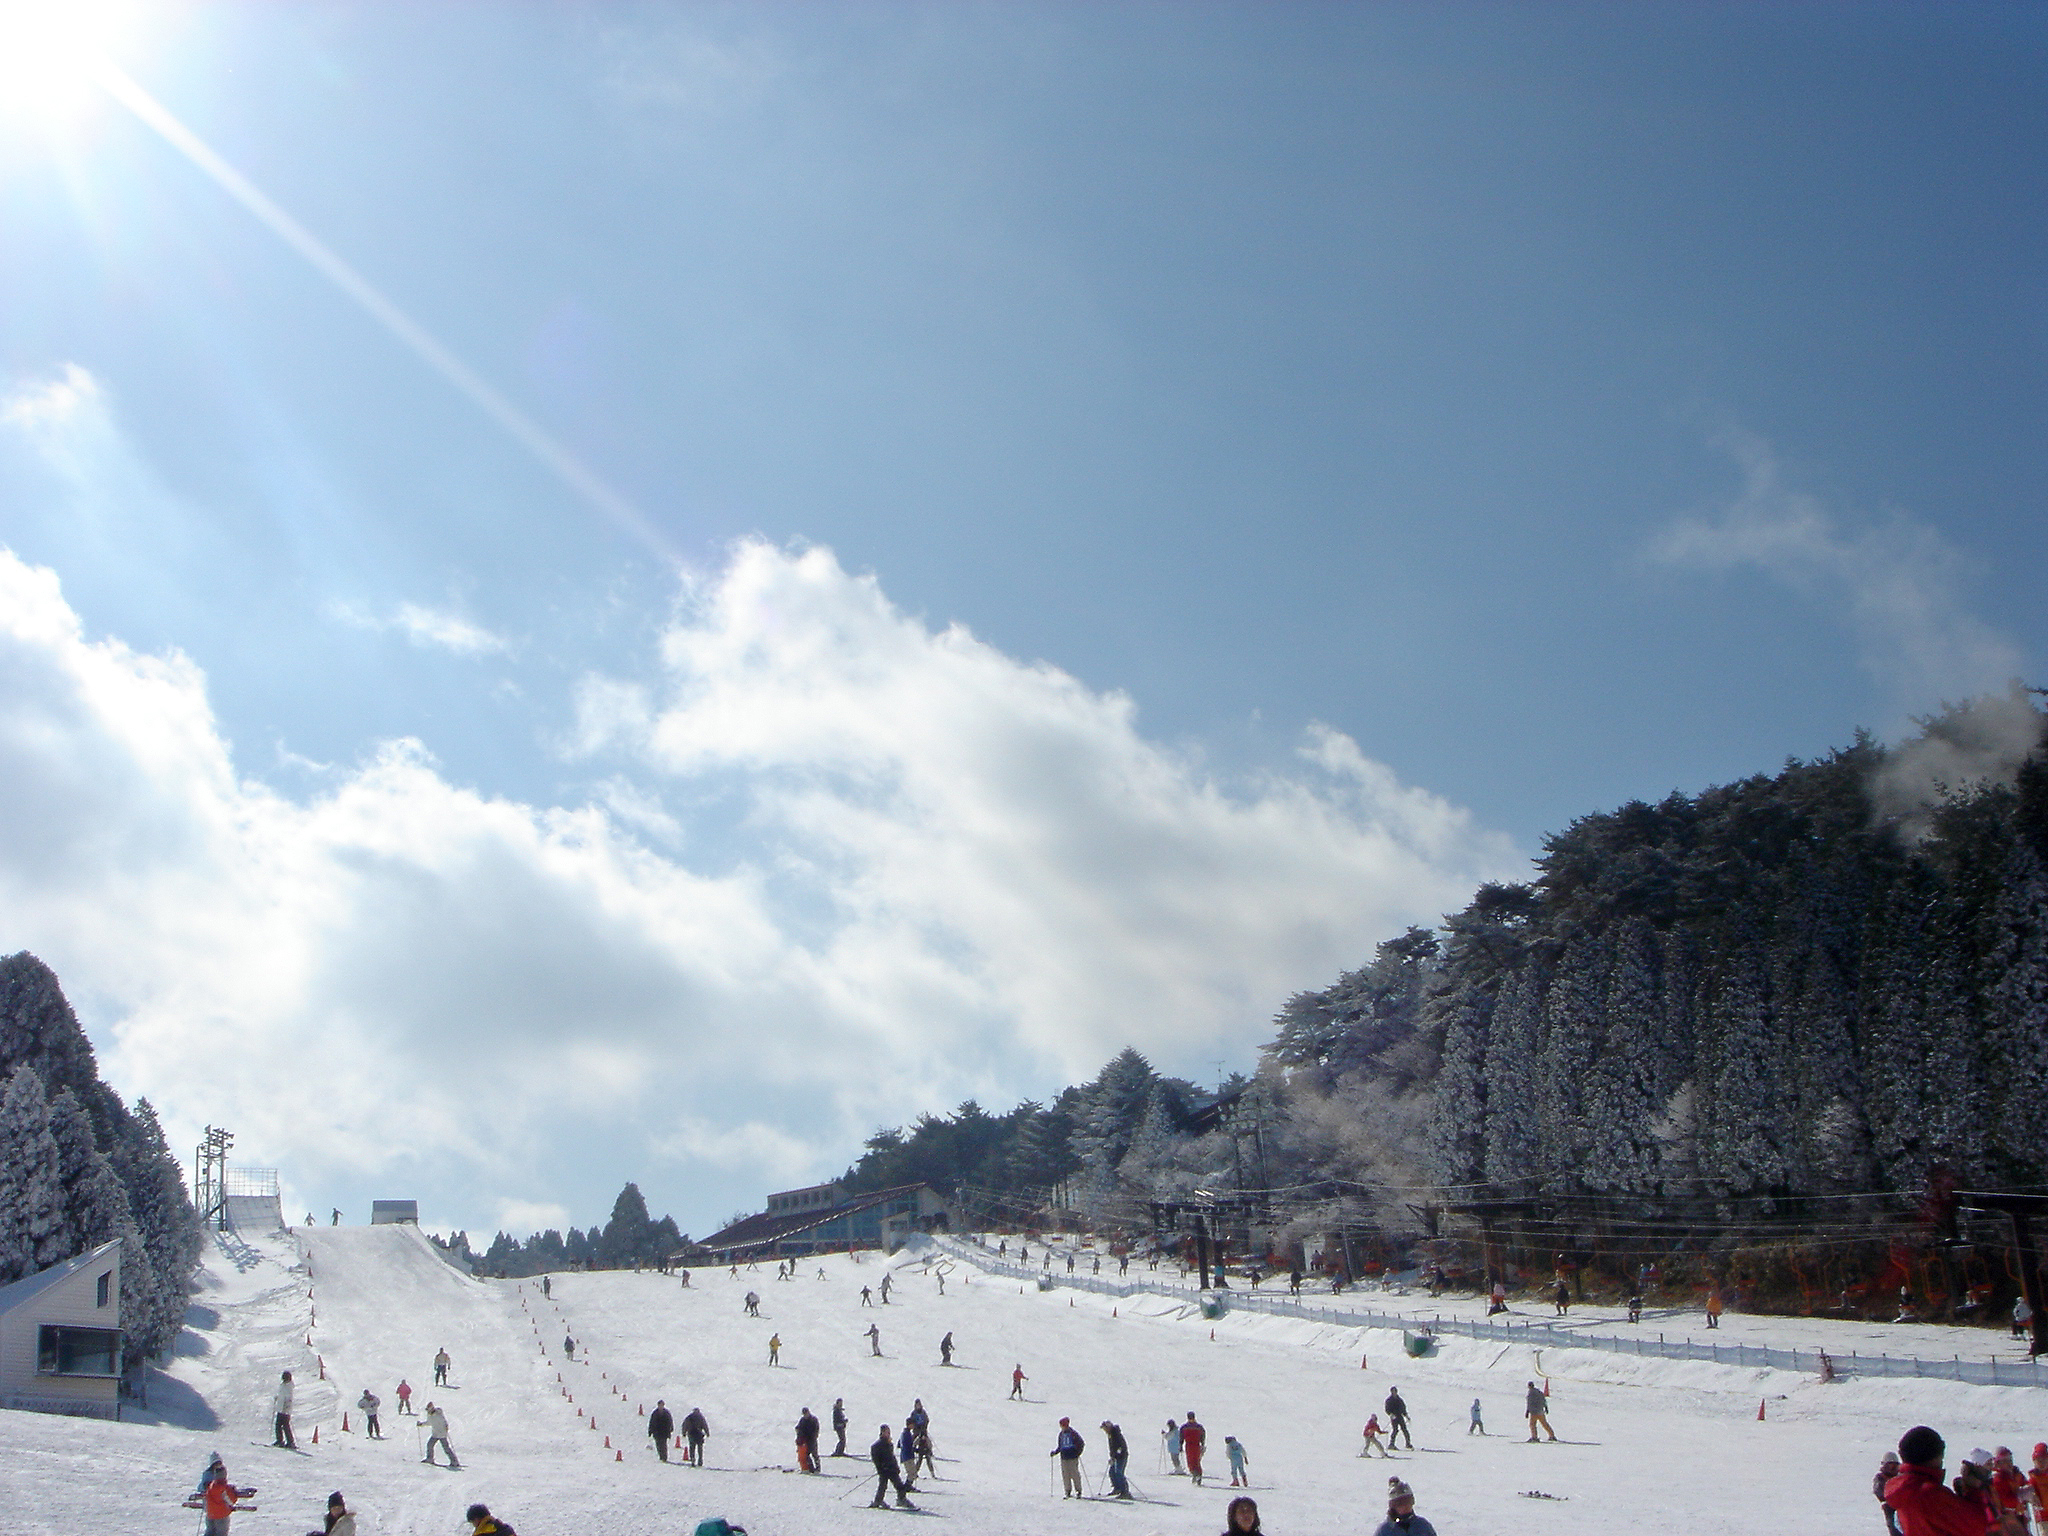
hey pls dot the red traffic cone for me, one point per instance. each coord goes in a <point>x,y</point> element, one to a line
<point>344,1421</point>
<point>1759,1410</point>
<point>1212,1335</point>
<point>642,1408</point>
<point>323,1367</point>
<point>679,1442</point>
<point>607,1442</point>
<point>1362,1365</point>
<point>316,1434</point>
<point>618,1455</point>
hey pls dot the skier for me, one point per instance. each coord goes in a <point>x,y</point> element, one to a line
<point>1098,1265</point>
<point>1397,1419</point>
<point>1068,1449</point>
<point>568,1346</point>
<point>1635,1307</point>
<point>483,1523</point>
<point>774,1349</point>
<point>404,1395</point>
<point>547,1287</point>
<point>441,1364</point>
<point>1192,1438</point>
<point>867,1297</point>
<point>1235,1452</point>
<point>918,1418</point>
<point>1563,1297</point>
<point>839,1425</point>
<point>1173,1445</point>
<point>886,1283</point>
<point>1714,1307</point>
<point>906,1454</point>
<point>887,1474</point>
<point>1372,1439</point>
<point>946,1350</point>
<point>661,1424</point>
<point>696,1430</point>
<point>1070,1261</point>
<point>1123,1265</point>
<point>1498,1299</point>
<point>921,1453</point>
<point>1294,1281</point>
<point>281,1413</point>
<point>437,1434</point>
<point>367,1405</point>
<point>1401,1517</point>
<point>1119,1458</point>
<point>1536,1409</point>
<point>1017,1380</point>
<point>1241,1518</point>
<point>220,1497</point>
<point>753,1304</point>
<point>2022,1318</point>
<point>874,1338</point>
<point>1478,1424</point>
<point>1003,1248</point>
<point>807,1441</point>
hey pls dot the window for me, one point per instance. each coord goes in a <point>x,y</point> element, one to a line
<point>79,1352</point>
<point>106,1288</point>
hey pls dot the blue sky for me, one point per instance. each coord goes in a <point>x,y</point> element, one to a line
<point>1139,502</point>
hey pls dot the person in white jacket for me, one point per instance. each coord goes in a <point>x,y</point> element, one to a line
<point>437,1434</point>
<point>281,1413</point>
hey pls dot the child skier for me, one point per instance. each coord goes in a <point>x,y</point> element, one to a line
<point>1235,1452</point>
<point>1372,1438</point>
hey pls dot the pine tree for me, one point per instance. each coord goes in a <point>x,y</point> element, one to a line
<point>1621,1098</point>
<point>1510,1134</point>
<point>2015,1041</point>
<point>33,1234</point>
<point>168,1228</point>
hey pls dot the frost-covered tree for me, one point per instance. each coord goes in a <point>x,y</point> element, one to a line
<point>33,1230</point>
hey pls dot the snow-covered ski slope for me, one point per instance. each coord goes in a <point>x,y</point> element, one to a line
<point>1646,1444</point>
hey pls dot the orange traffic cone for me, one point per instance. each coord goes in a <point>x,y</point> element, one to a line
<point>1212,1335</point>
<point>1362,1365</point>
<point>642,1408</point>
<point>618,1455</point>
<point>679,1446</point>
<point>344,1421</point>
<point>607,1442</point>
<point>316,1434</point>
<point>1759,1410</point>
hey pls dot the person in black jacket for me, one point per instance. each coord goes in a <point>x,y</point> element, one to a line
<point>1397,1420</point>
<point>661,1424</point>
<point>839,1425</point>
<point>696,1430</point>
<point>1119,1456</point>
<point>807,1441</point>
<point>887,1473</point>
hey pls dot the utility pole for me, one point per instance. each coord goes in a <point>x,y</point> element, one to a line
<point>209,1183</point>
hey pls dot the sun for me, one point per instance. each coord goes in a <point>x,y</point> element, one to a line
<point>51,55</point>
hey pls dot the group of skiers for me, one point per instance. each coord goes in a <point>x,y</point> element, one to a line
<point>220,1499</point>
<point>1535,1408</point>
<point>370,1406</point>
<point>1990,1496</point>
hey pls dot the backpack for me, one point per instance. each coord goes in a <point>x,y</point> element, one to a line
<point>717,1527</point>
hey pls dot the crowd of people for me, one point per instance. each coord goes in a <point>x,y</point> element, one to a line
<point>1990,1492</point>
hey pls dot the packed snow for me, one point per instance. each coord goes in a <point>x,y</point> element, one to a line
<point>1644,1443</point>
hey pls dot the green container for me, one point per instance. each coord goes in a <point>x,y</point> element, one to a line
<point>1212,1305</point>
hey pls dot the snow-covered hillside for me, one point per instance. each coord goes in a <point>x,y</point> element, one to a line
<point>1645,1444</point>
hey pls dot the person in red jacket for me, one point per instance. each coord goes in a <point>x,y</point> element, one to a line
<point>1917,1496</point>
<point>1192,1439</point>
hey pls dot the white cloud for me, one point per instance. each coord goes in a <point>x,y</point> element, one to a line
<point>427,628</point>
<point>836,867</point>
<point>1899,583</point>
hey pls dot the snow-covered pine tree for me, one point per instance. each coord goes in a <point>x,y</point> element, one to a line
<point>2015,1040</point>
<point>168,1226</point>
<point>1569,1022</point>
<point>1510,1130</point>
<point>33,1234</point>
<point>1621,1098</point>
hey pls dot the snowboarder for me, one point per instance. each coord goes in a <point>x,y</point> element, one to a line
<point>1235,1452</point>
<point>1017,1380</point>
<point>1192,1438</point>
<point>1397,1419</point>
<point>696,1430</point>
<point>887,1474</point>
<point>839,1425</point>
<point>1401,1517</point>
<point>367,1405</point>
<point>1372,1439</point>
<point>1068,1449</point>
<point>1478,1424</point>
<point>874,1338</point>
<point>1173,1445</point>
<point>281,1413</point>
<point>404,1395</point>
<point>946,1350</point>
<point>1119,1458</point>
<point>807,1441</point>
<point>568,1346</point>
<point>774,1349</point>
<point>437,1434</point>
<point>1536,1409</point>
<point>441,1364</point>
<point>661,1425</point>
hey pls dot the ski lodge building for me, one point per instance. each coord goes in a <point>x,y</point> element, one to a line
<point>60,1337</point>
<point>825,1219</point>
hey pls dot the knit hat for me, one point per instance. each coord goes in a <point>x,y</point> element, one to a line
<point>1921,1446</point>
<point>1979,1457</point>
<point>1396,1489</point>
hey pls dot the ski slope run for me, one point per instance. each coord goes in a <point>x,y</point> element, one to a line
<point>1645,1444</point>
